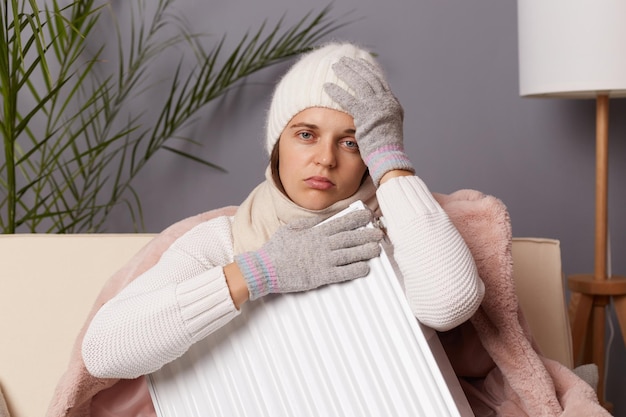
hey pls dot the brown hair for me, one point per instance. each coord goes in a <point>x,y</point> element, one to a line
<point>274,167</point>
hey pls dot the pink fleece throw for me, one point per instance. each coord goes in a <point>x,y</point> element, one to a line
<point>492,354</point>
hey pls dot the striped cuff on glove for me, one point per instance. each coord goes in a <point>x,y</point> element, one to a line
<point>258,272</point>
<point>387,158</point>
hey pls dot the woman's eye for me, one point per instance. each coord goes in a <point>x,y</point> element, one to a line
<point>351,144</point>
<point>305,135</point>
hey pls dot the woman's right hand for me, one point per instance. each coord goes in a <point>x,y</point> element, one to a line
<point>300,257</point>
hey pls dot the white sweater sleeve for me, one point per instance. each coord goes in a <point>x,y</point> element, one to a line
<point>440,277</point>
<point>161,313</point>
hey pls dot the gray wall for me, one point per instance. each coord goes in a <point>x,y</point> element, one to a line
<point>453,64</point>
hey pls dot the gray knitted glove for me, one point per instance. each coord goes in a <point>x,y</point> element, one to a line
<point>377,114</point>
<point>301,257</point>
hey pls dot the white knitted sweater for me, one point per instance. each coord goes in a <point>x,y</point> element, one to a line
<point>184,297</point>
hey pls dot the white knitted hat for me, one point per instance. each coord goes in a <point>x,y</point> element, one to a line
<point>302,86</point>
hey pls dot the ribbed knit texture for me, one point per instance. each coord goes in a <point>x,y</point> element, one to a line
<point>378,115</point>
<point>302,86</point>
<point>181,300</point>
<point>184,297</point>
<point>258,272</point>
<point>441,281</point>
<point>304,255</point>
<point>385,159</point>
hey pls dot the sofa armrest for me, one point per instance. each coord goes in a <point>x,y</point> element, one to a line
<point>539,286</point>
<point>48,284</point>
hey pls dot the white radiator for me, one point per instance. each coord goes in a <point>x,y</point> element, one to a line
<point>350,349</point>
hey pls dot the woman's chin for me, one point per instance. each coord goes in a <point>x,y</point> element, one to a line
<point>316,206</point>
<point>316,202</point>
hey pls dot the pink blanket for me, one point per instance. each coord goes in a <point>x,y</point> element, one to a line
<point>493,355</point>
<point>500,369</point>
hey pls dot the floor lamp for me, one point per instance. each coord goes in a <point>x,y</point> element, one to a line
<point>577,49</point>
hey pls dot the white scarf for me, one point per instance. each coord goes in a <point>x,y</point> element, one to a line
<point>267,208</point>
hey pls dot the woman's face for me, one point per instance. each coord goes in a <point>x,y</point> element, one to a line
<point>318,158</point>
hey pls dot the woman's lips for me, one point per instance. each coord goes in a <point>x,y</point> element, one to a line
<point>319,183</point>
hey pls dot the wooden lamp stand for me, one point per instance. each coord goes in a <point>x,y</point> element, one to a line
<point>592,293</point>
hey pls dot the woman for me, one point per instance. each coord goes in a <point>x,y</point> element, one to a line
<point>334,135</point>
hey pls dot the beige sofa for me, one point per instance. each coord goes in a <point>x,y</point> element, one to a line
<point>48,284</point>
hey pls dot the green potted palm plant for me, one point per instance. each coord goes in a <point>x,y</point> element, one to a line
<point>71,142</point>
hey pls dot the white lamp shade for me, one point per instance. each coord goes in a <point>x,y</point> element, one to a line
<point>572,48</point>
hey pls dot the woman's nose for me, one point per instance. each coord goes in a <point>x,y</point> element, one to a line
<point>325,154</point>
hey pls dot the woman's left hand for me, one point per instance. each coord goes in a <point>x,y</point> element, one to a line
<point>377,114</point>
